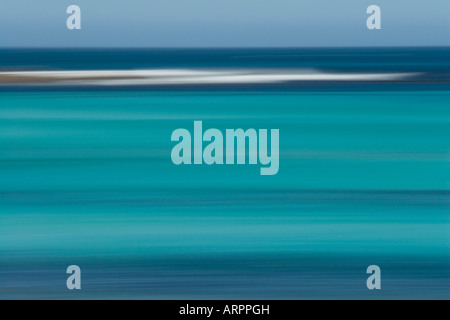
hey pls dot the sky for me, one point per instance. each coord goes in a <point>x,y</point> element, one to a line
<point>224,23</point>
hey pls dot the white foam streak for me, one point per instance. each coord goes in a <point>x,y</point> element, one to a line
<point>193,77</point>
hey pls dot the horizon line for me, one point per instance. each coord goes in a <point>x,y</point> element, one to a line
<point>220,48</point>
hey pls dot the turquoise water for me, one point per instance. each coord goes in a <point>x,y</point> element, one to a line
<point>86,178</point>
<point>343,141</point>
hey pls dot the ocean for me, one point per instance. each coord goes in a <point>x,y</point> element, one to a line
<point>86,176</point>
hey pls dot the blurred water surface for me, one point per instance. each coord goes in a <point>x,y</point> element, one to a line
<point>86,178</point>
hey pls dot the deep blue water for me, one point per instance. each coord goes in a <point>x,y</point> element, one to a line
<point>433,60</point>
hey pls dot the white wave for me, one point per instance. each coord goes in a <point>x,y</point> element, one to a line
<point>191,76</point>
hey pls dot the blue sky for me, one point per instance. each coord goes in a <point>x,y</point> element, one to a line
<point>223,23</point>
